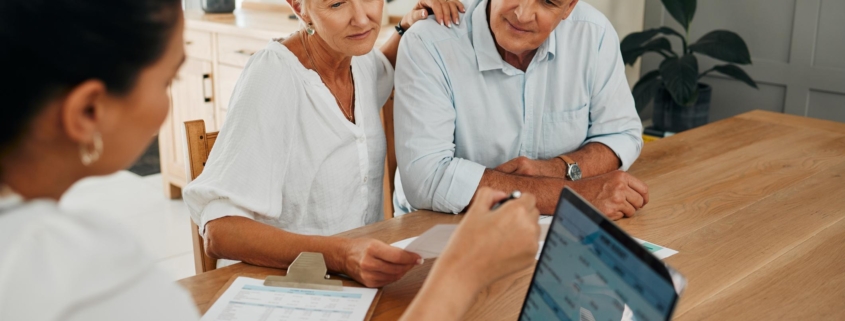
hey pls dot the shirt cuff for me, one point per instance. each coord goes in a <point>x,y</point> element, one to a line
<point>624,146</point>
<point>453,195</point>
<point>220,208</point>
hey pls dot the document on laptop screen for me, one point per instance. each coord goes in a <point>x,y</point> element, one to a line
<point>585,274</point>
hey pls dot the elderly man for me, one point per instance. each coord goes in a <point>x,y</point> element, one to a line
<point>524,95</point>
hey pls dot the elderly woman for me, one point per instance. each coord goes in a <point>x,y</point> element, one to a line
<point>91,111</point>
<point>301,155</point>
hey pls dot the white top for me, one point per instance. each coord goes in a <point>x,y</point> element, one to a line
<point>61,266</point>
<point>288,157</point>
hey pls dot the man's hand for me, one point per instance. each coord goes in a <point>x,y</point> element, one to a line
<point>524,166</point>
<point>617,194</point>
<point>375,264</point>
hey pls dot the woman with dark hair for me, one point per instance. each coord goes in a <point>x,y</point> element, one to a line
<point>88,92</point>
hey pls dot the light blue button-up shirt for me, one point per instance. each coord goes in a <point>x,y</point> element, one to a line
<point>460,108</point>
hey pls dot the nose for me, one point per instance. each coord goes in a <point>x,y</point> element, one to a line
<point>525,11</point>
<point>359,12</point>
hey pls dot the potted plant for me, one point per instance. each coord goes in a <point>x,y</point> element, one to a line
<point>681,102</point>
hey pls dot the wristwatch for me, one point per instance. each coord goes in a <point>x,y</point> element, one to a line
<point>399,29</point>
<point>573,172</point>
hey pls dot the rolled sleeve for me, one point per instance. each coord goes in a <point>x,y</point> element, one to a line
<point>432,177</point>
<point>221,208</point>
<point>626,148</point>
<point>247,167</point>
<point>614,121</point>
<point>457,186</point>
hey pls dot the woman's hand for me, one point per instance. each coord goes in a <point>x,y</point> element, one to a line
<point>446,12</point>
<point>487,246</point>
<point>505,238</point>
<point>375,264</point>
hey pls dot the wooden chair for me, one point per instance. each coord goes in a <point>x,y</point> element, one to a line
<point>390,162</point>
<point>199,146</point>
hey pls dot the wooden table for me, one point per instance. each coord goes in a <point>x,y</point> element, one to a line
<point>755,205</point>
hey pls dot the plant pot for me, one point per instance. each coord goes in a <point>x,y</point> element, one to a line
<point>218,6</point>
<point>671,117</point>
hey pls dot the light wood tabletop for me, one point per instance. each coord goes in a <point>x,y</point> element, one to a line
<point>754,204</point>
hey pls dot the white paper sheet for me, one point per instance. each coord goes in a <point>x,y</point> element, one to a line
<point>247,299</point>
<point>431,243</point>
<point>659,251</point>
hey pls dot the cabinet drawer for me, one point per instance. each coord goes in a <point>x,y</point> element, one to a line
<point>198,44</point>
<point>235,50</point>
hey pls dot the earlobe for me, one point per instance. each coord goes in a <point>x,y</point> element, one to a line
<point>81,110</point>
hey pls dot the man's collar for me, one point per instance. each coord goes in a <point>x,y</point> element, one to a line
<point>482,40</point>
<point>486,55</point>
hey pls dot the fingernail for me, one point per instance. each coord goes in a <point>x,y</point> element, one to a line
<point>420,261</point>
<point>441,23</point>
<point>457,22</point>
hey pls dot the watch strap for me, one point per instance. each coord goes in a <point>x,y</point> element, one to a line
<point>399,29</point>
<point>566,159</point>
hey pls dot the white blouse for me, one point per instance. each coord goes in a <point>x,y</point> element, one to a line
<point>64,266</point>
<point>286,155</point>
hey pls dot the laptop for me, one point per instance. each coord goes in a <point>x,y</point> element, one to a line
<point>591,270</point>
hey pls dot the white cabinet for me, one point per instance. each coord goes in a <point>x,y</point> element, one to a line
<point>191,97</point>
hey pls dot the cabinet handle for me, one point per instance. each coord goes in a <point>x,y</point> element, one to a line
<point>206,83</point>
<point>189,42</point>
<point>244,52</point>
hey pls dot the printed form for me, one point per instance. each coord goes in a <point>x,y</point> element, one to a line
<point>247,299</point>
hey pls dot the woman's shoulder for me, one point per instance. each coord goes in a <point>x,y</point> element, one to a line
<point>275,58</point>
<point>63,259</point>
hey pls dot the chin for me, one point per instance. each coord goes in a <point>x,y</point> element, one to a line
<point>360,49</point>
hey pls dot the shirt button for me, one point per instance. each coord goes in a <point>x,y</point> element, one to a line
<point>365,179</point>
<point>361,139</point>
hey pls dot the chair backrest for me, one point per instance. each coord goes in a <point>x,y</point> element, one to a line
<point>199,146</point>
<point>390,162</point>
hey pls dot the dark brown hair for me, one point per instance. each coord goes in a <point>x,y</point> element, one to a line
<point>49,46</point>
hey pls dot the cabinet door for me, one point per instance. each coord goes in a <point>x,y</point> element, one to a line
<point>227,77</point>
<point>191,97</point>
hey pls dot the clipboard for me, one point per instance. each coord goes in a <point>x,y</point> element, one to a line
<point>307,271</point>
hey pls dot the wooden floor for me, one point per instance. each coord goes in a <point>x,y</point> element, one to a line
<point>754,204</point>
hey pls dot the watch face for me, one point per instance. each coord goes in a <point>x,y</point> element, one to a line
<point>574,172</point>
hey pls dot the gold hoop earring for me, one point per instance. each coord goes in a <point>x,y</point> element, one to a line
<point>310,29</point>
<point>89,156</point>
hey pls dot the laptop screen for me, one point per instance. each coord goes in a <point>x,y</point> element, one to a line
<point>590,270</point>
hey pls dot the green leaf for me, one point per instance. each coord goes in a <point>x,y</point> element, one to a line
<point>645,89</point>
<point>656,45</point>
<point>682,10</point>
<point>636,39</point>
<point>736,73</point>
<point>723,45</point>
<point>680,77</point>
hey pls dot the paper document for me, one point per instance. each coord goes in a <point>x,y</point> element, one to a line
<point>247,299</point>
<point>431,243</point>
<point>658,251</point>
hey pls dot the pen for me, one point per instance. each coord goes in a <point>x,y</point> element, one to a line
<point>514,195</point>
